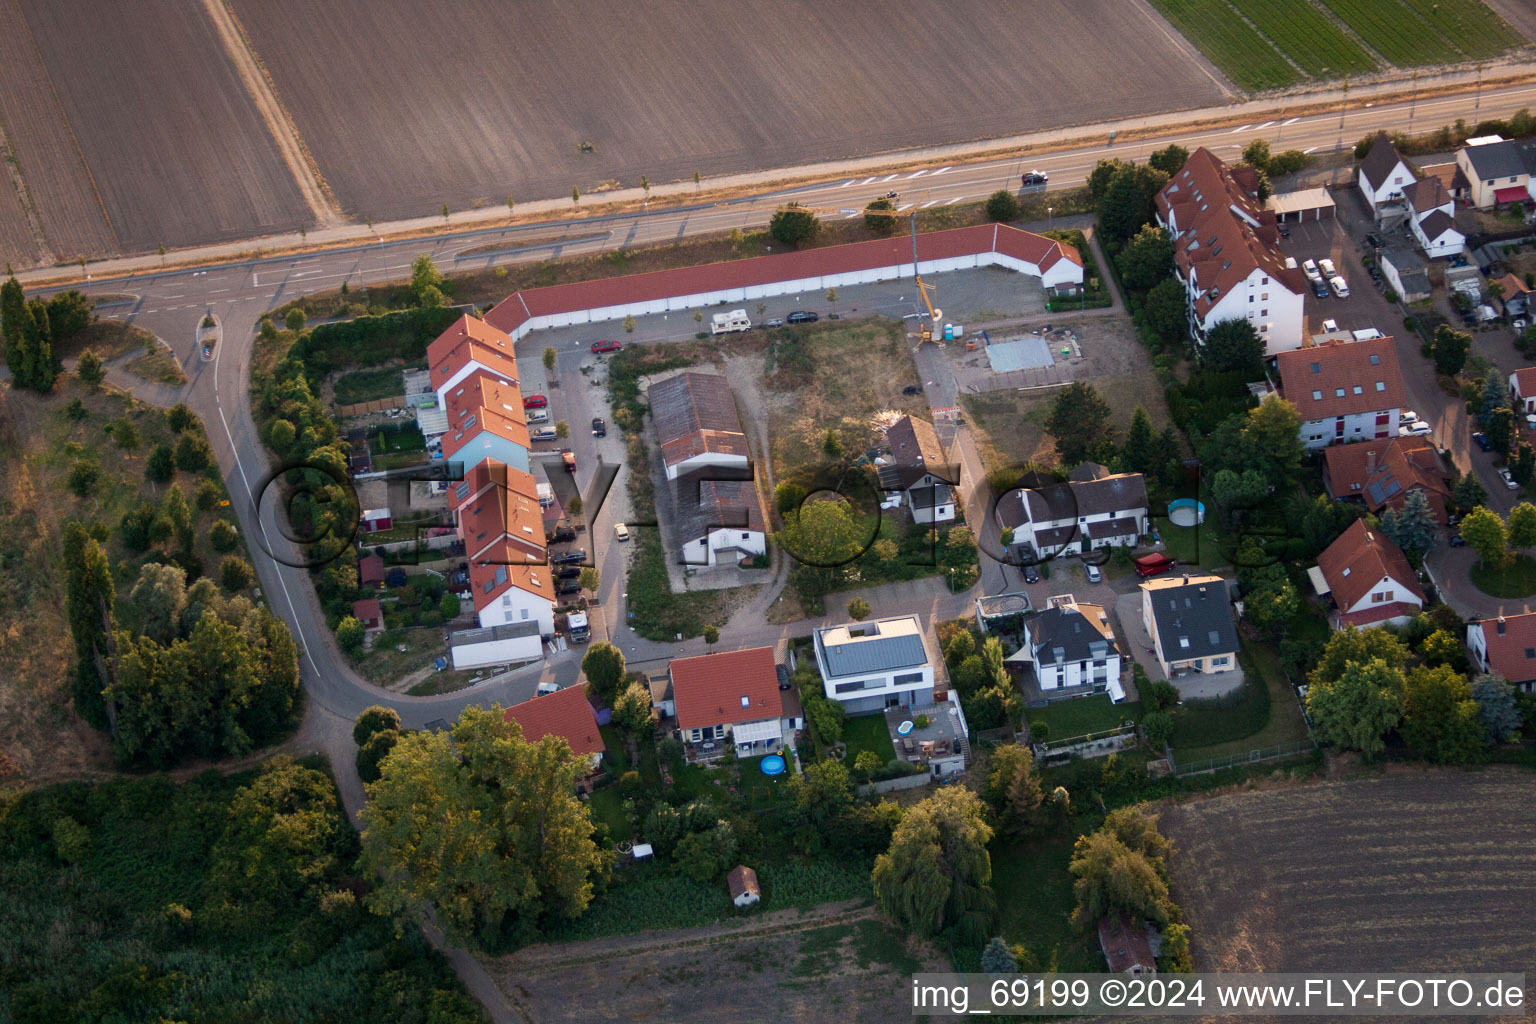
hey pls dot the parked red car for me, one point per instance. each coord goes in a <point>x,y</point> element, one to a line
<point>534,401</point>
<point>569,458</point>
<point>606,346</point>
<point>1151,565</point>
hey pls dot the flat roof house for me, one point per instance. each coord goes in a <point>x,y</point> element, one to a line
<point>1369,579</point>
<point>919,470</point>
<point>869,666</point>
<point>1190,622</point>
<point>730,696</point>
<point>1343,390</point>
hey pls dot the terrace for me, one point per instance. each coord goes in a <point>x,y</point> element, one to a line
<point>934,736</point>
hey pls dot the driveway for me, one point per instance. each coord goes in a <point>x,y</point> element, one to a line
<point>1191,687</point>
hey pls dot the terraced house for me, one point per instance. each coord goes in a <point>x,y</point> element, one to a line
<point>1093,509</point>
<point>1226,250</point>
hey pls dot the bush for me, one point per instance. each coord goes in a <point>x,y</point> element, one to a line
<point>208,495</point>
<point>375,719</point>
<point>223,537</point>
<point>1004,206</point>
<point>161,465</point>
<point>193,454</point>
<point>84,476</point>
<point>373,751</point>
<point>180,417</point>
<point>236,574</point>
<point>793,224</point>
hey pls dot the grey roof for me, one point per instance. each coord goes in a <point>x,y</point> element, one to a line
<point>1122,492</point>
<point>1194,620</point>
<point>1496,160</point>
<point>1436,224</point>
<point>1061,635</point>
<point>508,632</point>
<point>1403,259</point>
<point>1378,163</point>
<point>1426,194</point>
<point>872,654</point>
<point>690,402</point>
<point>928,497</point>
<point>701,506</point>
<point>1123,527</point>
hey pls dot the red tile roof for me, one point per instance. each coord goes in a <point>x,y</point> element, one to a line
<point>1341,378</point>
<point>1525,381</point>
<point>1225,234</point>
<point>1375,614</point>
<point>370,569</point>
<point>512,312</point>
<point>1355,563</point>
<point>470,340</point>
<point>1426,194</point>
<point>742,880</point>
<point>368,612</point>
<point>484,402</point>
<point>1512,655</point>
<point>1123,939</point>
<point>496,570</point>
<point>710,689</point>
<point>503,505</point>
<point>1381,473</point>
<point>564,713</point>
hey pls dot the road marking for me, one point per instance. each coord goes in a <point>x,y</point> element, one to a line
<point>887,178</point>
<point>955,200</point>
<point>845,184</point>
<point>149,311</point>
<point>1288,121</point>
<point>1260,127</point>
<point>866,181</point>
<point>941,170</point>
<point>919,174</point>
<point>218,290</point>
<point>906,206</point>
<point>850,216</point>
<point>1244,128</point>
<point>1308,149</point>
<point>929,203</point>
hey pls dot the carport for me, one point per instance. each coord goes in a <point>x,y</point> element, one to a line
<point>1308,204</point>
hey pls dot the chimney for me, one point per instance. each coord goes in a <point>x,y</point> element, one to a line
<point>1501,620</point>
<point>1370,463</point>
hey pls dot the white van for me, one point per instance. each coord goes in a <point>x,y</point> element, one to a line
<point>543,434</point>
<point>538,415</point>
<point>726,323</point>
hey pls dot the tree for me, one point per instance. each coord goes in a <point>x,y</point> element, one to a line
<point>449,606</point>
<point>1499,706</point>
<point>90,370</point>
<point>793,224</point>
<point>704,856</point>
<point>160,593</point>
<point>1495,396</point>
<point>1485,533</point>
<point>998,958</point>
<point>374,719</point>
<point>176,509</point>
<point>1500,430</point>
<point>38,359</point>
<point>1080,422</point>
<point>1147,258</point>
<point>180,417</point>
<point>281,436</point>
<point>1359,707</point>
<point>1521,525</point>
<point>550,356</point>
<point>1160,694</point>
<point>591,579</point>
<point>1256,154</point>
<point>1110,878</point>
<point>349,635</point>
<point>826,718</point>
<point>632,708</point>
<point>1138,450</point>
<point>878,217</point>
<point>208,495</point>
<point>576,193</point>
<point>562,429</point>
<point>823,791</point>
<point>1416,527</point>
<point>1274,427</point>
<point>1357,646</point>
<point>1020,810</point>
<point>1233,346</point>
<point>1522,463</point>
<point>1004,206</point>
<point>14,326</point>
<point>370,756</point>
<point>1166,310</point>
<point>858,609</point>
<point>500,810</point>
<point>284,837</point>
<point>1102,175</point>
<point>824,536</point>
<point>866,763</point>
<point>1159,728</point>
<point>711,634</point>
<point>222,536</point>
<point>89,596</point>
<point>1449,348</point>
<point>574,505</point>
<point>236,574</point>
<point>1440,719</point>
<point>1127,202</point>
<point>937,871</point>
<point>1170,159</point>
<point>603,665</point>
<point>1468,493</point>
<point>295,319</point>
<point>192,453</point>
<point>425,278</point>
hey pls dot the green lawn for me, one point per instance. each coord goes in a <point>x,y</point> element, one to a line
<point>1266,716</point>
<point>868,732</point>
<point>1035,900</point>
<point>607,806</point>
<point>369,385</point>
<point>1516,578</point>
<point>1193,545</point>
<point>1083,715</point>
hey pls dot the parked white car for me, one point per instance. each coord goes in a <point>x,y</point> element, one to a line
<point>1326,266</point>
<point>1416,428</point>
<point>1509,481</point>
<point>1407,416</point>
<point>1310,269</point>
<point>1340,286</point>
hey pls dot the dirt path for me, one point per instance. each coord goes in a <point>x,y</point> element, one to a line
<point>745,374</point>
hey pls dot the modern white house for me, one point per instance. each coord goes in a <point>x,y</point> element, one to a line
<point>1092,509</point>
<point>1383,174</point>
<point>1343,390</point>
<point>1189,619</point>
<point>1368,578</point>
<point>1226,249</point>
<point>870,666</point>
<point>811,271</point>
<point>511,644</point>
<point>918,470</point>
<point>1072,649</point>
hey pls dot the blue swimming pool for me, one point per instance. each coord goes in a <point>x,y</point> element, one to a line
<point>1186,512</point>
<point>773,764</point>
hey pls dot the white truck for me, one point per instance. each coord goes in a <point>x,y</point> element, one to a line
<point>727,323</point>
<point>576,625</point>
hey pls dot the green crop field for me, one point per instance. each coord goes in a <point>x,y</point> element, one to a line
<point>1230,42</point>
<point>1268,44</point>
<point>1306,35</point>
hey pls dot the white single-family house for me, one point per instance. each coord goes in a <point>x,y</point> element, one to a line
<point>869,666</point>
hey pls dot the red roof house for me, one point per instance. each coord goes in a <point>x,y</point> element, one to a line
<point>732,693</point>
<point>1369,579</point>
<point>1505,646</point>
<point>1381,473</point>
<point>1343,390</point>
<point>564,713</point>
<point>370,571</point>
<point>1123,939</point>
<point>369,614</point>
<point>469,344</point>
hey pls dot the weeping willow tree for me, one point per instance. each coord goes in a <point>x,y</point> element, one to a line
<point>935,876</point>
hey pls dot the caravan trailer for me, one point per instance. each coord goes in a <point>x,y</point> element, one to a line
<point>727,323</point>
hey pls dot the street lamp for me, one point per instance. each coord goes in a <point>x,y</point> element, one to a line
<point>1047,218</point>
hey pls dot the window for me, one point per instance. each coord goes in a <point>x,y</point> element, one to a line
<point>1381,385</point>
<point>1220,662</point>
<point>746,536</point>
<point>1356,389</point>
<point>1265,296</point>
<point>1317,367</point>
<point>1375,359</point>
<point>1263,312</point>
<point>848,687</point>
<point>1338,392</point>
<point>908,677</point>
<point>1317,396</point>
<point>1264,329</point>
<point>1250,298</point>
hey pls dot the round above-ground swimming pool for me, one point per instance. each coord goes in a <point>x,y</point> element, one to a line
<point>1186,512</point>
<point>773,764</point>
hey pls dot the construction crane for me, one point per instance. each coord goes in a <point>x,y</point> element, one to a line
<point>932,330</point>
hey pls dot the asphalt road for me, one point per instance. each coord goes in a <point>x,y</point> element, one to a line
<point>172,303</point>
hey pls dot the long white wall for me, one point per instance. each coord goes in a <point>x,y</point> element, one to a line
<point>1064,271</point>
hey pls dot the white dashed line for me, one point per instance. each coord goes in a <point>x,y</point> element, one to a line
<point>1260,127</point>
<point>887,178</point>
<point>1309,149</point>
<point>1289,120</point>
<point>955,200</point>
<point>845,184</point>
<point>866,181</point>
<point>941,170</point>
<point>851,216</point>
<point>1244,128</point>
<point>928,204</point>
<point>905,206</point>
<point>918,174</point>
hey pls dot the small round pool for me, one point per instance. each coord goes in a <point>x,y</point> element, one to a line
<point>1186,512</point>
<point>773,764</point>
<point>903,728</point>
